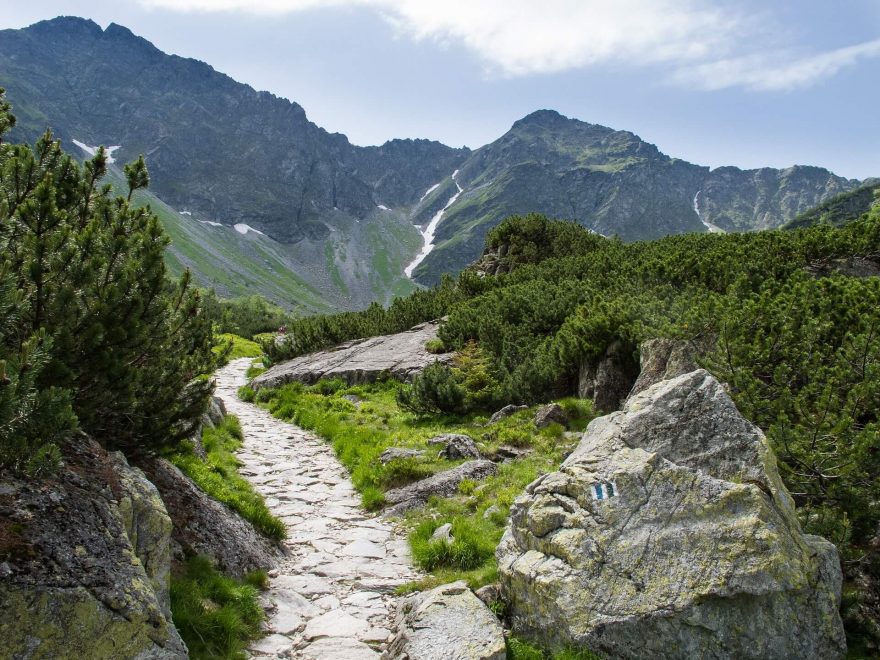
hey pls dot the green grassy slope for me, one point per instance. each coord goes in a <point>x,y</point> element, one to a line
<point>347,270</point>
<point>841,208</point>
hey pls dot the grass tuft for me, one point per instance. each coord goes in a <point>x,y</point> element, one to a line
<point>239,347</point>
<point>216,615</point>
<point>219,478</point>
<point>473,544</point>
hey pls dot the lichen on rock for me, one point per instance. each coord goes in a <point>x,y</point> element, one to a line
<point>668,533</point>
<point>89,578</point>
<point>446,622</point>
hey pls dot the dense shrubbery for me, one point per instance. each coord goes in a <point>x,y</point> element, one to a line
<point>92,333</point>
<point>245,317</point>
<point>467,386</point>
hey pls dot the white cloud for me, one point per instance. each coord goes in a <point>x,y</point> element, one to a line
<point>703,43</point>
<point>775,71</point>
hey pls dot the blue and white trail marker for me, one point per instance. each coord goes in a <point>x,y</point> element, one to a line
<point>603,490</point>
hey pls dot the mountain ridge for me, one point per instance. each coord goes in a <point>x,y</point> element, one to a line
<point>226,153</point>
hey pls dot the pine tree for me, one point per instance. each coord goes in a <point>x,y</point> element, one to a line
<point>128,348</point>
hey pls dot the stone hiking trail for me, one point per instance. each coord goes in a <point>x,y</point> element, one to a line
<point>331,597</point>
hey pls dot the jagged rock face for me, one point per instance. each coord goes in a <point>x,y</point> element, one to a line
<point>86,572</point>
<point>448,622</point>
<point>663,359</point>
<point>301,185</point>
<point>203,526</point>
<point>608,379</point>
<point>612,182</point>
<point>401,356</point>
<point>667,534</point>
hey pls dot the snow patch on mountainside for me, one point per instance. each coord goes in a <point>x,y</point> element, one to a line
<point>383,207</point>
<point>429,231</point>
<point>713,229</point>
<point>243,229</point>
<point>211,222</point>
<point>91,151</point>
<point>430,190</point>
<point>185,213</point>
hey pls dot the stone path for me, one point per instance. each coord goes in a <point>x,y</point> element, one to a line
<point>331,599</point>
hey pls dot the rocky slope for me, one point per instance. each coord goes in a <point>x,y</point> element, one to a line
<point>841,208</point>
<point>341,217</point>
<point>614,183</point>
<point>225,153</point>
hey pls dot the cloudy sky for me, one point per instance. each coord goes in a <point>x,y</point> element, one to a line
<point>715,82</point>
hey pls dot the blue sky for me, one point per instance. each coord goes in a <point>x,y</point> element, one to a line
<point>742,83</point>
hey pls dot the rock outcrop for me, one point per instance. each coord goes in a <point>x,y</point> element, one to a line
<point>401,356</point>
<point>446,623</point>
<point>85,563</point>
<point>442,484</point>
<point>607,380</point>
<point>204,526</point>
<point>552,413</point>
<point>668,533</point>
<point>456,445</point>
<point>147,525</point>
<point>505,412</point>
<point>215,413</point>
<point>663,359</point>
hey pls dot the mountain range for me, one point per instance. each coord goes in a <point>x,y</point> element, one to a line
<point>258,198</point>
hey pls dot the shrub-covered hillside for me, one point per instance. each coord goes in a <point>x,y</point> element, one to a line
<point>800,350</point>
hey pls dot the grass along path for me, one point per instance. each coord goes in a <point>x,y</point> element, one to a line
<point>361,421</point>
<point>332,597</point>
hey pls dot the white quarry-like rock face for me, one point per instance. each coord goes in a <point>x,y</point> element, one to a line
<point>668,533</point>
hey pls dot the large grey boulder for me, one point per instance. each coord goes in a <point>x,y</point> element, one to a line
<point>446,623</point>
<point>442,484</point>
<point>668,533</point>
<point>206,527</point>
<point>402,356</point>
<point>85,563</point>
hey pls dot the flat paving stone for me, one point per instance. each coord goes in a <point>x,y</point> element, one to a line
<point>338,648</point>
<point>335,623</point>
<point>333,592</point>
